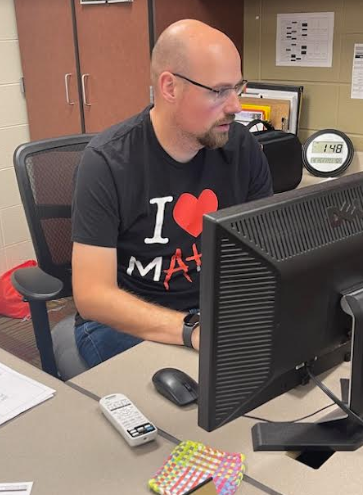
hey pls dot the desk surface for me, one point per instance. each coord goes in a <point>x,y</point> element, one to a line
<point>66,446</point>
<point>131,374</point>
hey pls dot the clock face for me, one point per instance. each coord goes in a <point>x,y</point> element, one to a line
<point>327,153</point>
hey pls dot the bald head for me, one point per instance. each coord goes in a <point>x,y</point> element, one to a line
<point>186,46</point>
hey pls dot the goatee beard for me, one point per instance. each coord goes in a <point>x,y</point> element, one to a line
<point>213,140</point>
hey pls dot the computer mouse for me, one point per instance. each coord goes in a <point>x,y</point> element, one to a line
<point>176,386</point>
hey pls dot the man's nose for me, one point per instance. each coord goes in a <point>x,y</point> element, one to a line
<point>233,104</point>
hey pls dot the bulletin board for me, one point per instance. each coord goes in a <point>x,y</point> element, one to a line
<point>284,101</point>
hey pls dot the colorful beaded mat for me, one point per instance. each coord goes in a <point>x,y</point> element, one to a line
<point>190,463</point>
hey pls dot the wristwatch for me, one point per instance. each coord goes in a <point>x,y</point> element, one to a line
<point>191,321</point>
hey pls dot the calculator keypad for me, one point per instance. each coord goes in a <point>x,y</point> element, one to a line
<point>135,423</point>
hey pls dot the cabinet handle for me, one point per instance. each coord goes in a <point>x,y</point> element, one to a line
<point>66,78</point>
<point>85,102</point>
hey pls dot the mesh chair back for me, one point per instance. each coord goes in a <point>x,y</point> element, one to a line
<point>45,174</point>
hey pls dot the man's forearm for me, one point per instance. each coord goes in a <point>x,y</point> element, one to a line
<point>126,312</point>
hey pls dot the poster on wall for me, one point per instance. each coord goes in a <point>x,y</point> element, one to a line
<point>357,72</point>
<point>305,40</point>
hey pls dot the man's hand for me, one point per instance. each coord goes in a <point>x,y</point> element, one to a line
<point>195,338</point>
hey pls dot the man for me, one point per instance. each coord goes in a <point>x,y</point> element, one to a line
<point>141,191</point>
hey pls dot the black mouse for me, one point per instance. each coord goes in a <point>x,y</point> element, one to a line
<point>176,386</point>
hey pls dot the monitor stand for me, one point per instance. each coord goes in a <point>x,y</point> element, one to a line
<point>337,435</point>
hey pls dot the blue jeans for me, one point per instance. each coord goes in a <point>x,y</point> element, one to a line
<point>97,342</point>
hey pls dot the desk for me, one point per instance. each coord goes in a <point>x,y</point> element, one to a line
<point>67,447</point>
<point>131,374</point>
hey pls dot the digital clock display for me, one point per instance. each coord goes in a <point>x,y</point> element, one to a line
<point>327,147</point>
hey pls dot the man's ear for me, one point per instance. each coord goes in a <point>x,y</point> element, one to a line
<point>167,86</point>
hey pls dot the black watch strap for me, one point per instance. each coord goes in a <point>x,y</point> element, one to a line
<point>191,321</point>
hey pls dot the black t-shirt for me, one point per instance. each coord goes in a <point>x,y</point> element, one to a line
<point>131,195</point>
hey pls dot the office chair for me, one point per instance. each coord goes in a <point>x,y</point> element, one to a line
<point>44,171</point>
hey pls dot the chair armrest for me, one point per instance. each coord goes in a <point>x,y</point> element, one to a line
<point>36,285</point>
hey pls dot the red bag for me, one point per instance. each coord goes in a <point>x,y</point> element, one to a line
<point>11,302</point>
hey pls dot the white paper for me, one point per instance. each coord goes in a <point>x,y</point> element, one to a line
<point>305,40</point>
<point>19,393</point>
<point>23,488</point>
<point>357,73</point>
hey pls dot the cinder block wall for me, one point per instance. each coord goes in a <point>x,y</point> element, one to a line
<point>326,102</point>
<point>15,244</point>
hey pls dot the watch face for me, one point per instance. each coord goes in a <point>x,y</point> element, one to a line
<point>191,319</point>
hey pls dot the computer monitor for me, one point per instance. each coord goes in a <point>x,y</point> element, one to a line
<point>273,277</point>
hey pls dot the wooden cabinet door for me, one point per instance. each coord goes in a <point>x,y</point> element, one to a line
<point>226,15</point>
<point>46,40</point>
<point>113,42</point>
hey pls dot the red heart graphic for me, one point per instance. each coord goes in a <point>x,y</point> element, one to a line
<point>189,210</point>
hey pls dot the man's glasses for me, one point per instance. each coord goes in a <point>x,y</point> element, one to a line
<point>222,93</point>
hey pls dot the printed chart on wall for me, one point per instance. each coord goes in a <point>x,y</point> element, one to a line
<point>357,74</point>
<point>305,40</point>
